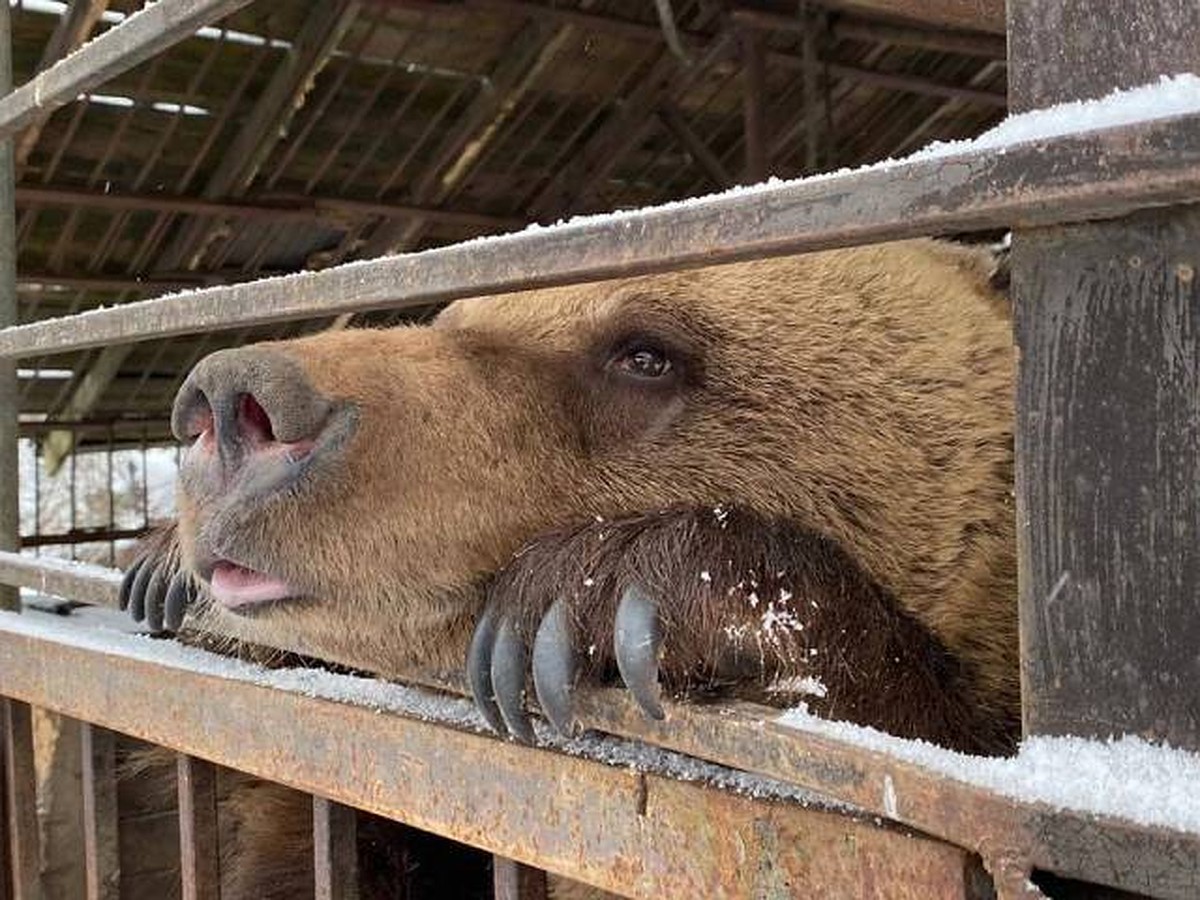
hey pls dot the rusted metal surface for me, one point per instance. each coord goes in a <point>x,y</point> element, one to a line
<point>90,584</point>
<point>102,867</point>
<point>516,881</point>
<point>613,827</point>
<point>20,785</point>
<point>199,856</point>
<point>1101,174</point>
<point>1011,836</point>
<point>335,850</point>
<point>117,50</point>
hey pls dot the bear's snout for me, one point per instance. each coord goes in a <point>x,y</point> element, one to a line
<point>252,418</point>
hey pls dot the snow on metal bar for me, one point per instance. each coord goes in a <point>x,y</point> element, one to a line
<point>139,37</point>
<point>1038,180</point>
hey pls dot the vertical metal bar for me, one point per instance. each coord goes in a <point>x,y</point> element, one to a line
<point>102,867</point>
<point>10,525</point>
<point>112,500</point>
<point>335,850</point>
<point>21,794</point>
<point>512,880</point>
<point>199,863</point>
<point>73,496</point>
<point>814,115</point>
<point>754,95</point>
<point>1108,397</point>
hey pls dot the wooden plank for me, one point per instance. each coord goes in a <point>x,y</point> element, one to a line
<point>152,30</point>
<point>199,847</point>
<point>512,880</point>
<point>73,29</point>
<point>618,829</point>
<point>1100,174</point>
<point>335,850</point>
<point>1108,449</point>
<point>21,796</point>
<point>977,15</point>
<point>101,845</point>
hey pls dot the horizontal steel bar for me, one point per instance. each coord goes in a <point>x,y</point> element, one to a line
<point>618,828</point>
<point>1098,174</point>
<point>145,33</point>
<point>1007,833</point>
<point>60,578</point>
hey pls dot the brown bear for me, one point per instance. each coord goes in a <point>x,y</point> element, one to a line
<point>788,479</point>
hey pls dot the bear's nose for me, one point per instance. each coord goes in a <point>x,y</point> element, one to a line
<point>243,401</point>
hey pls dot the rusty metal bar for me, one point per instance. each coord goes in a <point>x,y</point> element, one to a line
<point>199,847</point>
<point>536,806</point>
<point>135,40</point>
<point>90,584</point>
<point>754,98</point>
<point>1010,835</point>
<point>21,794</point>
<point>10,517</point>
<point>102,864</point>
<point>335,850</point>
<point>512,880</point>
<point>1099,174</point>
<point>81,536</point>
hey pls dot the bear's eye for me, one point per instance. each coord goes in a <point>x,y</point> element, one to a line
<point>643,361</point>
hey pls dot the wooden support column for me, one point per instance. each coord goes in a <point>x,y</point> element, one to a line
<point>335,850</point>
<point>20,786</point>
<point>512,880</point>
<point>9,489</point>
<point>1108,409</point>
<point>754,100</point>
<point>199,846</point>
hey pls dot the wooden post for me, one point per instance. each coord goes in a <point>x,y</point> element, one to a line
<point>9,492</point>
<point>1108,409</point>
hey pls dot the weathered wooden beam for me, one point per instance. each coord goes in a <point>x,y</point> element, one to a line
<point>335,211</point>
<point>1099,174</point>
<point>141,36</point>
<point>970,15</point>
<point>673,121</point>
<point>1108,400</point>
<point>91,584</point>
<point>73,29</point>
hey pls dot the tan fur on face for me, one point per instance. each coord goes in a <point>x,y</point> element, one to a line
<point>864,393</point>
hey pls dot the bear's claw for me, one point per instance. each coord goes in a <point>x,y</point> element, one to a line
<point>637,645</point>
<point>499,662</point>
<point>555,668</point>
<point>154,589</point>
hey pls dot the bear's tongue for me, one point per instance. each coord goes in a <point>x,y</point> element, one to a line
<point>235,586</point>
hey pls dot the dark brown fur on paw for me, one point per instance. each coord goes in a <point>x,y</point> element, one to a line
<point>711,600</point>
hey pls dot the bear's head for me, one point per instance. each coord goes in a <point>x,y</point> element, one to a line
<point>351,494</point>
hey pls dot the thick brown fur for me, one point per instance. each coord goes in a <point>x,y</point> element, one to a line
<point>848,413</point>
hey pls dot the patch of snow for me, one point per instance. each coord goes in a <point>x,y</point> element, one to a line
<point>807,685</point>
<point>1126,777</point>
